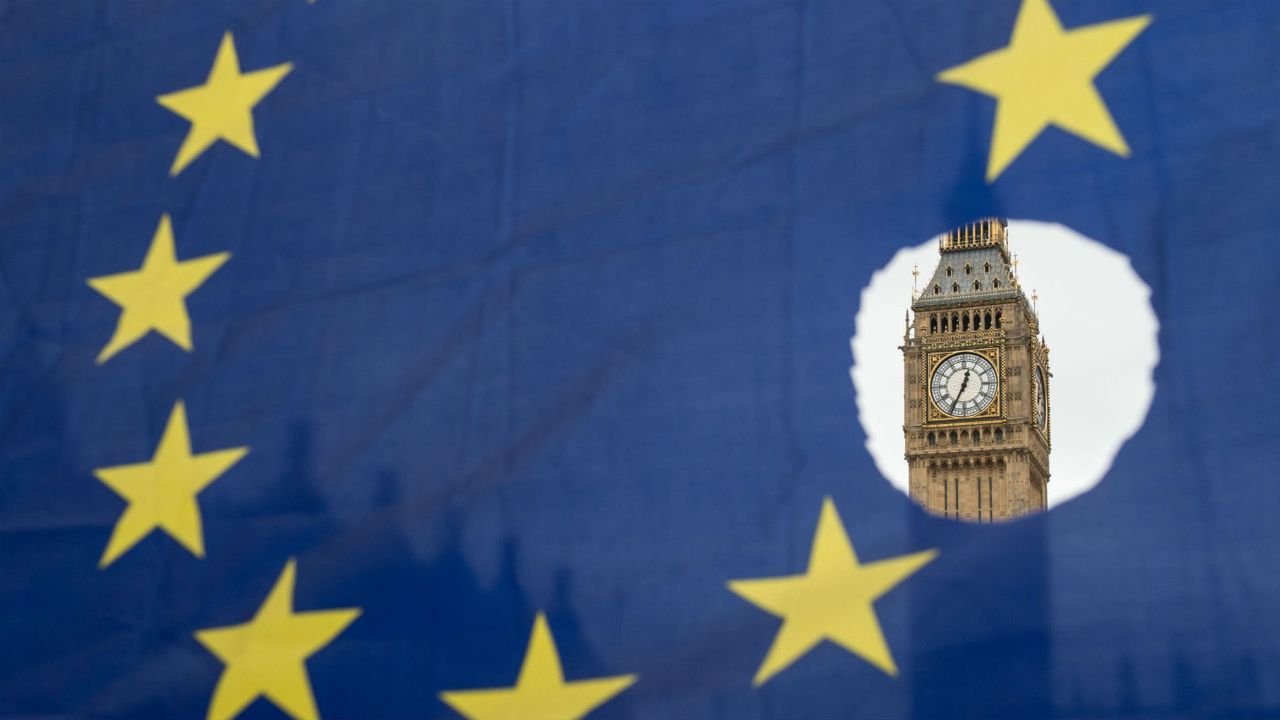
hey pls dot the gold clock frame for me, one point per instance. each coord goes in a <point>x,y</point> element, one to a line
<point>1048,417</point>
<point>1040,362</point>
<point>936,416</point>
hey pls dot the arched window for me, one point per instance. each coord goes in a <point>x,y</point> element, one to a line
<point>986,320</point>
<point>994,283</point>
<point>933,323</point>
<point>966,322</point>
<point>954,438</point>
<point>977,285</point>
<point>968,270</point>
<point>998,323</point>
<point>936,289</point>
<point>999,435</point>
<point>944,323</point>
<point>975,437</point>
<point>986,268</point>
<point>933,440</point>
<point>964,435</point>
<point>955,322</point>
<point>955,287</point>
<point>948,271</point>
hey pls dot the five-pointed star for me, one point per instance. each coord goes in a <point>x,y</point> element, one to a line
<point>162,493</point>
<point>541,692</point>
<point>831,601</point>
<point>222,108</point>
<point>1045,76</point>
<point>267,655</point>
<point>153,297</point>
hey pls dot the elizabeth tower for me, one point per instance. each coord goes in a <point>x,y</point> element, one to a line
<point>976,397</point>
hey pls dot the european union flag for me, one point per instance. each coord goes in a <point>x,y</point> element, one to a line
<point>490,359</point>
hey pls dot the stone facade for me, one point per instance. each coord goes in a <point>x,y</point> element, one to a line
<point>992,463</point>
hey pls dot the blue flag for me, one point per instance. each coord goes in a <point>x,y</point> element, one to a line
<point>400,359</point>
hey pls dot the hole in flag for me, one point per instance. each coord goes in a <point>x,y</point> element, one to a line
<point>969,417</point>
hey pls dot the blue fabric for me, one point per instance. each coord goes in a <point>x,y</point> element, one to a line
<point>545,305</point>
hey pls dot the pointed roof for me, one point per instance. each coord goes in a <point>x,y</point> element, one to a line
<point>973,265</point>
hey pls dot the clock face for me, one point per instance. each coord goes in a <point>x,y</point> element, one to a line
<point>1042,408</point>
<point>964,385</point>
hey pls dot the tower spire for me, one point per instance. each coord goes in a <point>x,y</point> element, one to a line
<point>987,232</point>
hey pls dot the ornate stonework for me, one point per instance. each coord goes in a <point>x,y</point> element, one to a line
<point>976,402</point>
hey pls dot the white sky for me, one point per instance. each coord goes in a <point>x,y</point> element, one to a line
<point>1091,300</point>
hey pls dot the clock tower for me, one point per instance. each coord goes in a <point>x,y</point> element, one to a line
<point>976,400</point>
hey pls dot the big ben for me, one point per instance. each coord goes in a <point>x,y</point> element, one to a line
<point>976,400</point>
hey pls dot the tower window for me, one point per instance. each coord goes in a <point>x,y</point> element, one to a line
<point>955,438</point>
<point>936,289</point>
<point>976,436</point>
<point>933,440</point>
<point>955,287</point>
<point>948,271</point>
<point>986,320</point>
<point>977,285</point>
<point>966,322</point>
<point>999,435</point>
<point>933,323</point>
<point>986,268</point>
<point>998,323</point>
<point>968,270</point>
<point>994,283</point>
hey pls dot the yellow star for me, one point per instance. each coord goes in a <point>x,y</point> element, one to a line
<point>267,655</point>
<point>222,108</point>
<point>162,493</point>
<point>153,297</point>
<point>540,693</point>
<point>832,601</point>
<point>1045,77</point>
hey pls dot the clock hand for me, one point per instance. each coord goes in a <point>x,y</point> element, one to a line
<point>963,383</point>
